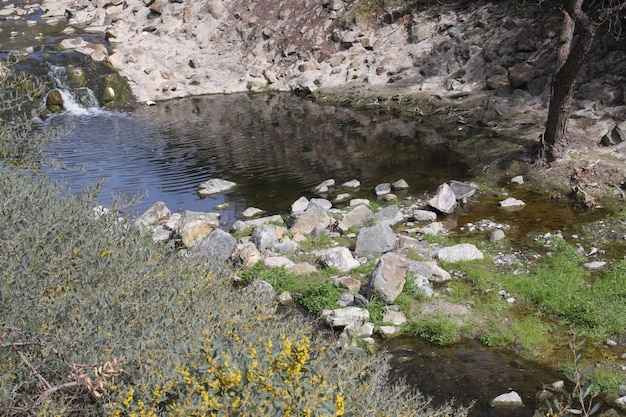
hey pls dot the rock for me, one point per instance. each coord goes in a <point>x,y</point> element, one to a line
<point>512,202</point>
<point>54,101</point>
<point>389,215</point>
<point>389,276</point>
<point>324,186</point>
<point>444,199</point>
<point>307,221</point>
<point>375,240</point>
<point>356,201</point>
<point>431,228</point>
<point>251,212</point>
<point>278,262</point>
<point>219,245</point>
<point>352,284</point>
<point>356,217</point>
<point>382,189</point>
<point>517,180</point>
<point>303,269</point>
<point>340,198</point>
<point>460,252</point>
<point>387,332</point>
<point>349,317</point>
<point>510,399</point>
<point>215,186</point>
<point>114,92</point>
<point>429,270</point>
<point>339,258</point>
<point>243,225</point>
<point>195,226</point>
<point>401,184</point>
<point>161,234</point>
<point>621,402</point>
<point>421,285</point>
<point>396,318</point>
<point>321,203</point>
<point>248,255</point>
<point>614,136</point>
<point>352,184</point>
<point>462,190</point>
<point>286,246</point>
<point>423,215</point>
<point>285,298</point>
<point>520,74</point>
<point>595,266</point>
<point>264,237</point>
<point>151,217</point>
<point>496,235</point>
<point>300,205</point>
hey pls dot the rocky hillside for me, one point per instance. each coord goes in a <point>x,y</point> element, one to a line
<point>173,48</point>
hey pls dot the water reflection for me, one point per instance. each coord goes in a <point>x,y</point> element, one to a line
<point>275,146</point>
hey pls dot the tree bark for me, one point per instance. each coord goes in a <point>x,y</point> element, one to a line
<point>554,143</point>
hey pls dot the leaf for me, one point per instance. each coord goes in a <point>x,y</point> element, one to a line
<point>594,409</point>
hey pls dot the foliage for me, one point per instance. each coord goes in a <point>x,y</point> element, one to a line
<point>280,278</point>
<point>580,400</point>
<point>440,330</point>
<point>376,310</point>
<point>20,142</point>
<point>320,296</point>
<point>560,287</point>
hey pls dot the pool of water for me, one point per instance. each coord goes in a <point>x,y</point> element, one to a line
<point>276,147</point>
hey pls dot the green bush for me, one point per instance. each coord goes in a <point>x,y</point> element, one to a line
<point>320,296</point>
<point>439,330</point>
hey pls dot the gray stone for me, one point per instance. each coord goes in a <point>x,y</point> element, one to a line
<point>382,189</point>
<point>303,269</point>
<point>248,255</point>
<point>621,402</point>
<point>264,237</point>
<point>340,198</point>
<point>423,215</point>
<point>350,283</point>
<point>520,74</point>
<point>350,317</point>
<point>421,285</point>
<point>396,318</point>
<point>430,270</point>
<point>387,332</point>
<point>278,262</point>
<point>286,245</point>
<point>161,234</point>
<point>357,201</point>
<point>496,235</point>
<point>151,217</point>
<point>324,186</point>
<point>389,276</point>
<point>219,245</point>
<point>401,184</point>
<point>353,184</point>
<point>389,215</point>
<point>356,217</point>
<point>375,240</point>
<point>518,179</point>
<point>460,252</point>
<point>300,205</point>
<point>444,199</point>
<point>595,266</point>
<point>462,190</point>
<point>511,202</point>
<point>321,203</point>
<point>340,258</point>
<point>307,221</point>
<point>243,225</point>
<point>214,186</point>
<point>510,399</point>
<point>251,212</point>
<point>195,226</point>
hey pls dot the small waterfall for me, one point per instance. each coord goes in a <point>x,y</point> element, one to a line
<point>78,101</point>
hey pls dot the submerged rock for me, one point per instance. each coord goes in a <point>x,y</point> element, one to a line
<point>215,186</point>
<point>510,399</point>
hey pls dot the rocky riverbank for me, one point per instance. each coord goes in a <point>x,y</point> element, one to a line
<point>385,256</point>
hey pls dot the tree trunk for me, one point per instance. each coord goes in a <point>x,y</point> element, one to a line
<point>554,143</point>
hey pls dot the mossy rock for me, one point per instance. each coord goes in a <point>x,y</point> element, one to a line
<point>115,92</point>
<point>77,76</point>
<point>54,101</point>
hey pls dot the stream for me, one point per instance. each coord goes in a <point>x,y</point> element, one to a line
<point>277,147</point>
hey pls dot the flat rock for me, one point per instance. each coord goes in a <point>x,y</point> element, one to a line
<point>352,184</point>
<point>420,215</point>
<point>462,190</point>
<point>512,202</point>
<point>252,212</point>
<point>510,399</point>
<point>382,189</point>
<point>350,317</point>
<point>460,252</point>
<point>595,266</point>
<point>340,258</point>
<point>215,186</point>
<point>278,262</point>
<point>444,199</point>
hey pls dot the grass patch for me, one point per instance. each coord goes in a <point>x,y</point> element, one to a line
<point>437,329</point>
<point>280,278</point>
<point>560,287</point>
<point>320,296</point>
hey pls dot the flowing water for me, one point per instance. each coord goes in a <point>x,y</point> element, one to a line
<point>277,147</point>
